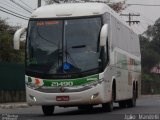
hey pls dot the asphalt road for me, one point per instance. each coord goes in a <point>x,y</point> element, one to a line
<point>148,108</point>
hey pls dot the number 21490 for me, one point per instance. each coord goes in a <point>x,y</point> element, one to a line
<point>62,84</point>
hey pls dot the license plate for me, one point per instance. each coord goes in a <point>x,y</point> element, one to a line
<point>62,98</point>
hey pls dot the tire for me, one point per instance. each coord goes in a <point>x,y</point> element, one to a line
<point>108,107</point>
<point>47,110</point>
<point>132,102</point>
<point>122,104</point>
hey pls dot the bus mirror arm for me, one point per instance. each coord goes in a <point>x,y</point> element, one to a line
<point>103,35</point>
<point>17,36</point>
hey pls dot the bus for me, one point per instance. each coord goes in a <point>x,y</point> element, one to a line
<point>80,55</point>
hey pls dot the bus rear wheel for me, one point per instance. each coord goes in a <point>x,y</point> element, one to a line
<point>48,110</point>
<point>122,104</point>
<point>132,102</point>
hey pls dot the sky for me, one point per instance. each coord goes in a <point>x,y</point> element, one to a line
<point>148,14</point>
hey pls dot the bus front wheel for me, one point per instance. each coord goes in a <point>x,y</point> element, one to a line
<point>48,110</point>
<point>108,107</point>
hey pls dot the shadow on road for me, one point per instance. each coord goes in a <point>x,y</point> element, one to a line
<point>95,110</point>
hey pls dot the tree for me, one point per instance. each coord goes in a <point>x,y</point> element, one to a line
<point>150,42</point>
<point>7,53</point>
<point>155,43</point>
<point>5,27</point>
<point>117,6</point>
<point>150,58</point>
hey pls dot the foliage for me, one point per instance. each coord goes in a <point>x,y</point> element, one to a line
<point>150,58</point>
<point>7,53</point>
<point>5,27</point>
<point>150,49</point>
<point>118,6</point>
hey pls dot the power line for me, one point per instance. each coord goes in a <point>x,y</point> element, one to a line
<point>149,20</point>
<point>10,6</point>
<point>138,30</point>
<point>20,6</point>
<point>13,14</point>
<point>23,6</point>
<point>144,27</point>
<point>143,4</point>
<point>145,19</point>
<point>129,17</point>
<point>26,4</point>
<point>142,15</point>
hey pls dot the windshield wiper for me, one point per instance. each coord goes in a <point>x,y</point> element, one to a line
<point>74,63</point>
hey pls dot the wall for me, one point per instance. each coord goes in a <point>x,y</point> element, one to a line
<point>12,79</point>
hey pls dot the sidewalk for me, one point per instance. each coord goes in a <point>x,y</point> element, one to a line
<point>13,105</point>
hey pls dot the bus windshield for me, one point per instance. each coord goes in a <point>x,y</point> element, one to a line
<point>63,46</point>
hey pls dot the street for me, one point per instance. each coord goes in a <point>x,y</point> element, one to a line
<point>148,107</point>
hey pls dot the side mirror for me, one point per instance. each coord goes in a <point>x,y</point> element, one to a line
<point>103,35</point>
<point>17,38</point>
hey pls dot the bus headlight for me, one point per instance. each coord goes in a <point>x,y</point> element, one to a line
<point>33,98</point>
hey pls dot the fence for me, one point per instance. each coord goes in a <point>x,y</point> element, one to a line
<point>151,86</point>
<point>12,87</point>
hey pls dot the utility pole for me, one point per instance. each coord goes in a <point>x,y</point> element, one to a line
<point>130,19</point>
<point>39,3</point>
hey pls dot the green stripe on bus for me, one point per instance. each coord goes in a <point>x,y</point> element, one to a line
<point>70,82</point>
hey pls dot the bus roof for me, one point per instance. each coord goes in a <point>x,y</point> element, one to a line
<point>75,10</point>
<point>70,10</point>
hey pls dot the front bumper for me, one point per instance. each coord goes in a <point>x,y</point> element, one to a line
<point>35,97</point>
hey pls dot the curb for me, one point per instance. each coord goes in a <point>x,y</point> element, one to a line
<point>13,105</point>
<point>147,96</point>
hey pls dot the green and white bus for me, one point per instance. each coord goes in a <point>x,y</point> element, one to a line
<point>80,54</point>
